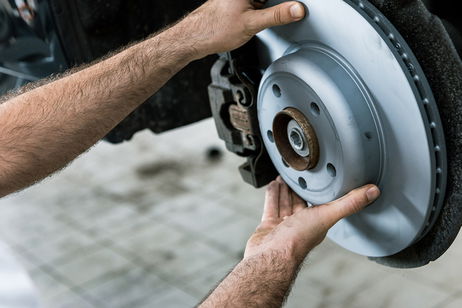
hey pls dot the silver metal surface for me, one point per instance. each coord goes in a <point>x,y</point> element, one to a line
<point>351,74</point>
<point>297,139</point>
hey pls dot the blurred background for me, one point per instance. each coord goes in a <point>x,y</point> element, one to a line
<point>159,221</point>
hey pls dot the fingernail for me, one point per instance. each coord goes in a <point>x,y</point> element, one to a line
<point>372,194</point>
<point>297,11</point>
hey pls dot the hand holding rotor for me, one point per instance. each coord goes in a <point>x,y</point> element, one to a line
<point>223,25</point>
<point>289,226</point>
<point>287,233</point>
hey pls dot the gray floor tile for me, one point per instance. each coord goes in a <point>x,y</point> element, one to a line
<point>186,259</point>
<point>454,302</point>
<point>29,262</point>
<point>68,299</point>
<point>32,227</point>
<point>441,274</point>
<point>131,287</point>
<point>61,245</point>
<point>92,265</point>
<point>173,298</point>
<point>233,234</point>
<point>391,292</point>
<point>48,286</point>
<point>149,241</point>
<point>200,215</point>
<point>307,294</point>
<point>204,282</point>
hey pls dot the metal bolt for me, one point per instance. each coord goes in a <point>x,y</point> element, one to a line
<point>297,139</point>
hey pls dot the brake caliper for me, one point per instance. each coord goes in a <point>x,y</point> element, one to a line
<point>233,97</point>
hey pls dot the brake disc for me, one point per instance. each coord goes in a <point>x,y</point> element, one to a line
<point>344,102</point>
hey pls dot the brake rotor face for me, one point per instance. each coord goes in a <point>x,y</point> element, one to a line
<point>351,76</point>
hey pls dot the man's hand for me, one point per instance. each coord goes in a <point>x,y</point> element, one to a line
<point>290,227</point>
<point>223,25</point>
<point>287,233</point>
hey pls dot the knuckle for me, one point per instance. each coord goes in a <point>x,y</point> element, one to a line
<point>355,204</point>
<point>251,28</point>
<point>273,185</point>
<point>277,16</point>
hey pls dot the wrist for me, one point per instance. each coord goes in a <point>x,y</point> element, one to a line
<point>262,279</point>
<point>195,43</point>
<point>287,256</point>
<point>294,250</point>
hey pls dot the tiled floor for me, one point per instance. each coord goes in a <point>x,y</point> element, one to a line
<point>153,223</point>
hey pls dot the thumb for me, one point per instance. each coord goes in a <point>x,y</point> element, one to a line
<point>348,205</point>
<point>281,14</point>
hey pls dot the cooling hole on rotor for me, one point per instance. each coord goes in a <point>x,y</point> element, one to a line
<point>438,156</point>
<point>270,136</point>
<point>302,183</point>
<point>315,109</point>
<point>277,90</point>
<point>331,170</point>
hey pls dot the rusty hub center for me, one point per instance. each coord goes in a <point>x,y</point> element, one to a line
<point>296,140</point>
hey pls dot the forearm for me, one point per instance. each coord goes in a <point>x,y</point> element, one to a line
<point>45,128</point>
<point>262,280</point>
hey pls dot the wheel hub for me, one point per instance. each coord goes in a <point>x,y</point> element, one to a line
<point>295,139</point>
<point>343,102</point>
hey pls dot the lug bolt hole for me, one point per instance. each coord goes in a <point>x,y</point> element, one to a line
<point>277,90</point>
<point>331,170</point>
<point>315,109</point>
<point>270,136</point>
<point>302,183</point>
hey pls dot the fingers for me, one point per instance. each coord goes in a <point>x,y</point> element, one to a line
<point>348,205</point>
<point>271,207</point>
<point>285,199</point>
<point>281,14</point>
